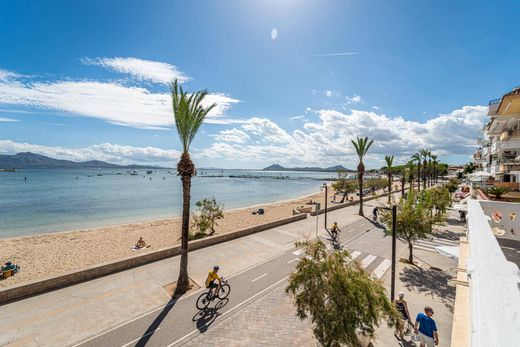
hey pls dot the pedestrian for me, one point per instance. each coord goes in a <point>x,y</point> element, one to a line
<point>374,214</point>
<point>425,326</point>
<point>402,307</point>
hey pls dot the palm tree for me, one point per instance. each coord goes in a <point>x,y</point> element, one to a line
<point>430,169</point>
<point>389,161</point>
<point>361,145</point>
<point>416,158</point>
<point>189,113</point>
<point>404,173</point>
<point>410,167</point>
<point>424,155</point>
<point>435,162</point>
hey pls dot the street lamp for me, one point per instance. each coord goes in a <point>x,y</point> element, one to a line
<point>394,238</point>
<point>325,186</point>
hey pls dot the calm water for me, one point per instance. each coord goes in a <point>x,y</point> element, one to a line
<point>58,200</point>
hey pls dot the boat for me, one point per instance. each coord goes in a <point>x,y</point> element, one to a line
<point>90,175</point>
<point>149,172</point>
<point>99,174</point>
<point>134,173</point>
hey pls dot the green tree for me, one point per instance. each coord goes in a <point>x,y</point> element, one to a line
<point>340,297</point>
<point>497,191</point>
<point>361,145</point>
<point>452,185</point>
<point>424,155</point>
<point>468,168</point>
<point>414,220</point>
<point>389,166</point>
<point>434,167</point>
<point>205,220</point>
<point>441,199</point>
<point>344,185</point>
<point>410,168</point>
<point>189,114</point>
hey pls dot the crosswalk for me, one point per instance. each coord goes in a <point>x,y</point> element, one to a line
<point>372,263</point>
<point>429,245</point>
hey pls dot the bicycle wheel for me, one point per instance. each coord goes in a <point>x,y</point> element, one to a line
<point>203,301</point>
<point>224,291</point>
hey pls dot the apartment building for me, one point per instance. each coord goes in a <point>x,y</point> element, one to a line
<point>499,150</point>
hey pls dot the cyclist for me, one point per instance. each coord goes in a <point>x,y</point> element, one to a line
<point>210,281</point>
<point>334,231</point>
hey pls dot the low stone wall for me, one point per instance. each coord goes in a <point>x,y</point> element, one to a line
<point>44,285</point>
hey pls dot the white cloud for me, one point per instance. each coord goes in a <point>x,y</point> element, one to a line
<point>354,99</point>
<point>274,34</point>
<point>113,102</point>
<point>327,141</point>
<point>328,93</point>
<point>299,118</point>
<point>108,152</point>
<point>149,70</point>
<point>232,135</point>
<point>5,75</point>
<point>3,119</point>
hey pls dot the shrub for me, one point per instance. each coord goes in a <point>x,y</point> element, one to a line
<point>205,219</point>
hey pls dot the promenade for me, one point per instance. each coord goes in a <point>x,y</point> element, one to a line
<point>133,307</point>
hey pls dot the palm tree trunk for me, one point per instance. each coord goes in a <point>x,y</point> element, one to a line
<point>183,281</point>
<point>419,177</point>
<point>424,175</point>
<point>403,182</point>
<point>345,196</point>
<point>360,180</point>
<point>389,188</point>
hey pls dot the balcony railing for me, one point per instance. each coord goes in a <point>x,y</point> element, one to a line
<point>510,145</point>
<point>495,101</point>
<point>508,185</point>
<point>506,135</point>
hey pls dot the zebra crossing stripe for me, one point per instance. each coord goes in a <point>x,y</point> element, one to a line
<point>368,259</point>
<point>381,269</point>
<point>354,255</point>
<point>424,248</point>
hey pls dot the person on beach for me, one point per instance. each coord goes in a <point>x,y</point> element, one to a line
<point>141,243</point>
<point>427,330</point>
<point>402,307</point>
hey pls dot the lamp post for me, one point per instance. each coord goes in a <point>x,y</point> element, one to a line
<point>394,239</point>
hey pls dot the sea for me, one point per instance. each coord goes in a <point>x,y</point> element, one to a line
<point>41,201</point>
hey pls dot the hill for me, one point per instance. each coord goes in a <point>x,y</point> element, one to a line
<point>28,160</point>
<point>276,167</point>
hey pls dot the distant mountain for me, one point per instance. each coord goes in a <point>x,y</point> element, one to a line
<point>30,160</point>
<point>276,167</point>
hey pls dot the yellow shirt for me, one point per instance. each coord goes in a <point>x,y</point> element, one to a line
<point>211,277</point>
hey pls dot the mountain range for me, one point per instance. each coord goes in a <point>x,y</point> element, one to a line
<point>28,160</point>
<point>276,167</point>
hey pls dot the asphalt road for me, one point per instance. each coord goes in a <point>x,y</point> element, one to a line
<point>180,320</point>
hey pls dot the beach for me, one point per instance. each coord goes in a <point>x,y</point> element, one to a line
<point>52,254</point>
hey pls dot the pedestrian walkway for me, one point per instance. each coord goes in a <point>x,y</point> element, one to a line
<point>430,244</point>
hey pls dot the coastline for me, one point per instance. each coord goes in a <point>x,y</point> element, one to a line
<point>43,255</point>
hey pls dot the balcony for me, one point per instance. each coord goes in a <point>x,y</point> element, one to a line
<point>508,185</point>
<point>510,145</point>
<point>495,147</point>
<point>508,134</point>
<point>493,107</point>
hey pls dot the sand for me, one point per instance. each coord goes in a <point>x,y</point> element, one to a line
<point>53,254</point>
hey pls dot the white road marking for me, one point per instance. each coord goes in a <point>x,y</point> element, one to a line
<point>381,269</point>
<point>295,259</point>
<point>256,279</point>
<point>150,333</point>
<point>368,259</point>
<point>355,254</point>
<point>234,308</point>
<point>298,252</point>
<point>350,230</point>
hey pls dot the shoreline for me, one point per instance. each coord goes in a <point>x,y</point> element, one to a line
<point>146,221</point>
<point>48,254</point>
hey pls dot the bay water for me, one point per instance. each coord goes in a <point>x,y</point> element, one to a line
<point>41,201</point>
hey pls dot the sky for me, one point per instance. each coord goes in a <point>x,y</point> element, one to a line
<point>294,81</point>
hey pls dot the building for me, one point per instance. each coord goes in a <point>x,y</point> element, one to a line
<point>499,151</point>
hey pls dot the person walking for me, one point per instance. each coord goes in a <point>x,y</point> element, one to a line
<point>402,307</point>
<point>427,329</point>
<point>374,214</point>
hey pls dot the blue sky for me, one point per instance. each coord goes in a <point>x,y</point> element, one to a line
<point>294,80</point>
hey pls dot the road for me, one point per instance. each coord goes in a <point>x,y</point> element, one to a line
<point>177,322</point>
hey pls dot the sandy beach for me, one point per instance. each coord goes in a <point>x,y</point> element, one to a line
<point>52,254</point>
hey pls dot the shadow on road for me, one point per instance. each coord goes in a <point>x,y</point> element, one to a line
<point>206,317</point>
<point>431,282</point>
<point>156,323</point>
<point>447,235</point>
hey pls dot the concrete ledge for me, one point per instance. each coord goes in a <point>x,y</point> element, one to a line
<point>47,284</point>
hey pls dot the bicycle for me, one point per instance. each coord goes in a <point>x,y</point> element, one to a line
<point>205,298</point>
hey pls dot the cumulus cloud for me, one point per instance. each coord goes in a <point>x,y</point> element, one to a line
<point>3,119</point>
<point>232,135</point>
<point>110,101</point>
<point>328,140</point>
<point>144,70</point>
<point>106,152</point>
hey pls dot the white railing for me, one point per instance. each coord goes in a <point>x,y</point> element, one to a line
<point>510,145</point>
<point>494,285</point>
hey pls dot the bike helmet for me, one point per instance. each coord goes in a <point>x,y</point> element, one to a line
<point>215,267</point>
